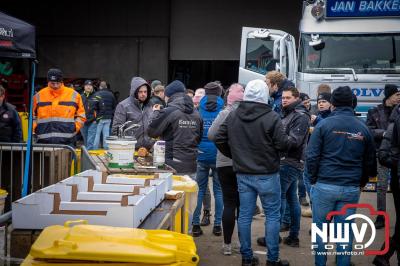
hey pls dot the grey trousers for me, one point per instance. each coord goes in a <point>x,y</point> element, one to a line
<point>381,187</point>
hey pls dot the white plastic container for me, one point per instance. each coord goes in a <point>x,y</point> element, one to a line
<point>121,152</point>
<point>159,153</point>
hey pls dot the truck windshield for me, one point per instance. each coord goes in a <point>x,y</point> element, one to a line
<point>259,55</point>
<point>366,54</point>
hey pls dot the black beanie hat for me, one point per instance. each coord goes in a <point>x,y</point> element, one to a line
<point>342,96</point>
<point>174,87</point>
<point>213,88</point>
<point>390,89</point>
<point>54,75</point>
<point>324,96</point>
<point>304,96</point>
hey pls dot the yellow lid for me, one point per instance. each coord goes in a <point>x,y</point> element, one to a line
<point>184,183</point>
<point>3,192</point>
<point>114,244</point>
<point>97,152</point>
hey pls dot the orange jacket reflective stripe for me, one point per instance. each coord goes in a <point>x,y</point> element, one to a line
<point>58,113</point>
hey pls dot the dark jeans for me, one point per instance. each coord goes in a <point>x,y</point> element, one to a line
<point>289,176</point>
<point>301,187</point>
<point>230,196</point>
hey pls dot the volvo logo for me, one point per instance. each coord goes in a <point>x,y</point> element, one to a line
<point>368,92</point>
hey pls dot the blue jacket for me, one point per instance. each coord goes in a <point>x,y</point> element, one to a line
<point>209,107</point>
<point>341,150</point>
<point>321,116</point>
<point>277,103</point>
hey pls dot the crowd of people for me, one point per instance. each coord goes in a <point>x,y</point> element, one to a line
<point>264,140</point>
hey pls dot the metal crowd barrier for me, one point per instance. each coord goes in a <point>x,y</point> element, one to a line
<point>50,163</point>
<point>87,162</point>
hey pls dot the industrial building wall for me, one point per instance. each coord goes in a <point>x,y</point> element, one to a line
<point>211,30</point>
<point>100,39</point>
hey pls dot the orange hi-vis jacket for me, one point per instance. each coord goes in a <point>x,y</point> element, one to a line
<point>58,115</point>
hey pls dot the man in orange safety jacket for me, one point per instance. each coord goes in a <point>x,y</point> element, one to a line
<point>58,111</point>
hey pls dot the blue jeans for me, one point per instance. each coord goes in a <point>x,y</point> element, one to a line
<point>89,133</point>
<point>327,198</point>
<point>102,126</point>
<point>203,170</point>
<point>268,188</point>
<point>289,176</point>
<point>307,181</point>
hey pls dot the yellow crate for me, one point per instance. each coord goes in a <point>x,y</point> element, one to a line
<point>189,186</point>
<point>83,242</point>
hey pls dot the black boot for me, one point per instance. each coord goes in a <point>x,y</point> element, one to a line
<point>196,231</point>
<point>253,262</point>
<point>278,263</point>
<point>206,218</point>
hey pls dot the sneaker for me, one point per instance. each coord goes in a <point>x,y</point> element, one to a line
<point>261,241</point>
<point>278,263</point>
<point>284,227</point>
<point>379,222</point>
<point>217,230</point>
<point>196,230</point>
<point>227,248</point>
<point>291,241</point>
<point>306,212</point>
<point>206,218</point>
<point>304,202</point>
<point>251,262</point>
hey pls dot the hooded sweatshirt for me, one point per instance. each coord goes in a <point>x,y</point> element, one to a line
<point>131,109</point>
<point>209,108</point>
<point>252,135</point>
<point>180,125</point>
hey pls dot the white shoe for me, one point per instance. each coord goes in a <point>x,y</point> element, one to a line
<point>227,248</point>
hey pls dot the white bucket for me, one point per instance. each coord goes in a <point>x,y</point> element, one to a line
<point>121,153</point>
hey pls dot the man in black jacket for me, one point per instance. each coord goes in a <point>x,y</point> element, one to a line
<point>180,126</point>
<point>90,127</point>
<point>296,122</point>
<point>104,106</point>
<point>253,135</point>
<point>378,121</point>
<point>10,123</point>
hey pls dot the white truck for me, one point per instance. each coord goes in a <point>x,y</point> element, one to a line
<point>342,42</point>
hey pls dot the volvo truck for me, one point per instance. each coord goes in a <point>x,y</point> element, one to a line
<point>351,43</point>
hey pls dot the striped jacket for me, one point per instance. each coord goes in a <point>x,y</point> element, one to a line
<point>58,115</point>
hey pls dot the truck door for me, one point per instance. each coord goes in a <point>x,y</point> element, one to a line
<point>264,50</point>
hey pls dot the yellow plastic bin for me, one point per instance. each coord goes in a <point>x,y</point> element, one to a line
<point>189,186</point>
<point>83,243</point>
<point>24,116</point>
<point>3,196</point>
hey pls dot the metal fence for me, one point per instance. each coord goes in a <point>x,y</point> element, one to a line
<point>49,164</point>
<point>87,162</point>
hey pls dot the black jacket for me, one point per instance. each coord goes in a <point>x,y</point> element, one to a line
<point>386,154</point>
<point>252,135</point>
<point>88,103</point>
<point>181,127</point>
<point>378,121</point>
<point>10,124</point>
<point>104,104</point>
<point>296,123</point>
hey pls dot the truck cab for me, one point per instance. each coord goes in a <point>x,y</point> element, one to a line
<point>264,50</point>
<point>342,43</point>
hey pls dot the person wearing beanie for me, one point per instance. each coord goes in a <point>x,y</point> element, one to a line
<point>253,135</point>
<point>210,106</point>
<point>60,114</point>
<point>154,84</point>
<point>340,159</point>
<point>226,175</point>
<point>324,108</point>
<point>89,129</point>
<point>136,109</point>
<point>180,126</point>
<point>305,99</point>
<point>158,96</point>
<point>378,121</point>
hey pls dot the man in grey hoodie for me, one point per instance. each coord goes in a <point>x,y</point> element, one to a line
<point>135,108</point>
